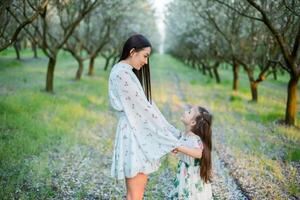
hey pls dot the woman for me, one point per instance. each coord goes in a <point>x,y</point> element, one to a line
<point>143,135</point>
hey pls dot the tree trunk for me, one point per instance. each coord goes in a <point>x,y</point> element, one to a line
<point>91,66</point>
<point>235,75</point>
<point>203,70</point>
<point>24,44</point>
<point>17,49</point>
<point>34,49</point>
<point>253,86</point>
<point>79,70</point>
<point>210,73</point>
<point>193,64</point>
<point>107,63</point>
<point>216,73</point>
<point>115,60</point>
<point>274,72</point>
<point>198,67</point>
<point>50,74</point>
<point>252,82</point>
<point>291,105</point>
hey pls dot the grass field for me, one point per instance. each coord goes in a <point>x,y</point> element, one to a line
<point>34,124</point>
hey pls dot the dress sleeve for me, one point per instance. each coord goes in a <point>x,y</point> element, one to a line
<point>154,137</point>
<point>198,143</point>
<point>177,133</point>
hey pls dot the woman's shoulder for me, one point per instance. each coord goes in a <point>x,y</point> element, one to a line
<point>121,68</point>
<point>122,72</point>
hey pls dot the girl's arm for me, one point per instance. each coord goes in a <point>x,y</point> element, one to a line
<point>193,152</point>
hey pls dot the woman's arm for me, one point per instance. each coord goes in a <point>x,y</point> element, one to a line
<point>155,138</point>
<point>193,152</point>
<point>177,133</point>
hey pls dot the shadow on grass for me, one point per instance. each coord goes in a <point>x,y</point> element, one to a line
<point>9,63</point>
<point>293,154</point>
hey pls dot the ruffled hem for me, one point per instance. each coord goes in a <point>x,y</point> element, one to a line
<point>120,174</point>
<point>126,164</point>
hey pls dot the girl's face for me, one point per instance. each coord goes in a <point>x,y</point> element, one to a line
<point>189,116</point>
<point>140,58</point>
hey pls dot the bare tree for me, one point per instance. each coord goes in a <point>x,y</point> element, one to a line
<point>63,18</point>
<point>284,25</point>
<point>129,23</point>
<point>14,16</point>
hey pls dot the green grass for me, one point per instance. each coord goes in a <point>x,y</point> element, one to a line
<point>34,123</point>
<point>293,154</point>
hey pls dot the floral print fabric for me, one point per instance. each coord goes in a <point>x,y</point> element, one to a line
<point>188,184</point>
<point>143,135</point>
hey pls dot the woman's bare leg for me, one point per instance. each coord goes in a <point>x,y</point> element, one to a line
<point>136,186</point>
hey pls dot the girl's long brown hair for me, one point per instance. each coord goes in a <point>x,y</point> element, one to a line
<point>202,128</point>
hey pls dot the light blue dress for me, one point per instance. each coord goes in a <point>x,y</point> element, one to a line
<point>143,135</point>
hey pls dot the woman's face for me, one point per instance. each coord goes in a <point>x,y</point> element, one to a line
<point>189,116</point>
<point>140,58</point>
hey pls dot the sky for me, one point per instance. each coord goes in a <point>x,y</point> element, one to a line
<point>160,8</point>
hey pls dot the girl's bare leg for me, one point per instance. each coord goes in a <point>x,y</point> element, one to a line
<point>136,186</point>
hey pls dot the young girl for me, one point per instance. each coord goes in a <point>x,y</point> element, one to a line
<point>193,174</point>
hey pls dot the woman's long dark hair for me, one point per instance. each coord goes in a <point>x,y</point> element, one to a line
<point>139,42</point>
<point>202,128</point>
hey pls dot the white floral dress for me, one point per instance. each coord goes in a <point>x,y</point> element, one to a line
<point>188,184</point>
<point>143,135</point>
